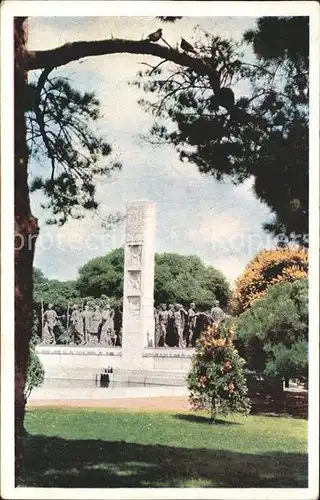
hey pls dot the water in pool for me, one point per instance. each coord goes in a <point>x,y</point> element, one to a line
<point>61,383</point>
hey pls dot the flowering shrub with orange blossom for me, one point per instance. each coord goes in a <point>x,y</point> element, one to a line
<point>268,268</point>
<point>216,380</point>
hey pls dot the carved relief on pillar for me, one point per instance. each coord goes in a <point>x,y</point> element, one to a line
<point>135,254</point>
<point>134,281</point>
<point>134,306</point>
<point>135,222</point>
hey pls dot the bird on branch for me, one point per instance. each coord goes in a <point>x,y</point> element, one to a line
<point>226,98</point>
<point>223,97</point>
<point>186,46</point>
<point>155,36</point>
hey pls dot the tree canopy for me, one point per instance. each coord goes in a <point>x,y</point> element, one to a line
<point>267,268</point>
<point>263,132</point>
<point>61,127</point>
<point>56,292</point>
<point>61,123</point>
<point>185,279</point>
<point>102,275</point>
<point>178,278</point>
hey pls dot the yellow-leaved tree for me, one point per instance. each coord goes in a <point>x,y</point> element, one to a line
<point>267,268</point>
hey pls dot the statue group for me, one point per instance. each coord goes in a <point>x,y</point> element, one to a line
<point>90,325</point>
<point>93,324</point>
<point>177,327</point>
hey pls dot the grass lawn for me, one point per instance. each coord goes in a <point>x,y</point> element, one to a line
<point>102,448</point>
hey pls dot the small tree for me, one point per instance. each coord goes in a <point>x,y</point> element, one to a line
<point>216,381</point>
<point>35,372</point>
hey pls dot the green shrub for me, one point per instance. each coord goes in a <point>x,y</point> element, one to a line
<point>35,373</point>
<point>273,333</point>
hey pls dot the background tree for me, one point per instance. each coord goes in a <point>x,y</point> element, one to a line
<point>56,292</point>
<point>263,134</point>
<point>60,127</point>
<point>216,380</point>
<point>102,275</point>
<point>267,268</point>
<point>273,333</point>
<point>185,279</point>
<point>178,278</point>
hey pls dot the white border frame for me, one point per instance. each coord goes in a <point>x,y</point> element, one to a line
<point>11,8</point>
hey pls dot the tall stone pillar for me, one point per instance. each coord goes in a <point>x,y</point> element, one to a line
<point>138,317</point>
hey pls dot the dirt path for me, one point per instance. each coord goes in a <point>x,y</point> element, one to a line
<point>292,403</point>
<point>162,403</point>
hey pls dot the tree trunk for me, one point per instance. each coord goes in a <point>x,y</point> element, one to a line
<point>26,230</point>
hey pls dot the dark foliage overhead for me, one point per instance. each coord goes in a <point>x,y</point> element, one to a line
<point>60,123</point>
<point>262,133</point>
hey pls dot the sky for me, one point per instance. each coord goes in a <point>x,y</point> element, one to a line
<point>219,222</point>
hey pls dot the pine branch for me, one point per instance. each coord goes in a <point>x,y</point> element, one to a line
<point>77,50</point>
<point>40,117</point>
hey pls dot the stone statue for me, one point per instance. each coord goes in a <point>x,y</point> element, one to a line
<point>217,313</point>
<point>86,316</point>
<point>192,319</point>
<point>179,323</point>
<point>185,327</point>
<point>119,337</point>
<point>161,327</point>
<point>107,330</point>
<point>117,321</point>
<point>202,322</point>
<point>113,335</point>
<point>95,324</point>
<point>155,322</point>
<point>76,320</point>
<point>49,322</point>
<point>61,331</point>
<point>170,337</point>
<point>64,337</point>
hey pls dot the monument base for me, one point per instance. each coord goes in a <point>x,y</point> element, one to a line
<point>161,366</point>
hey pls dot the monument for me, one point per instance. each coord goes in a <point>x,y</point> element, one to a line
<point>136,358</point>
<point>138,312</point>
